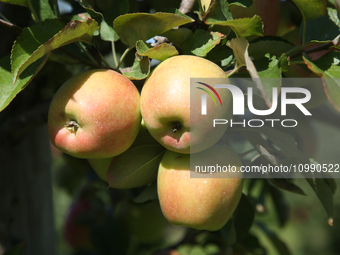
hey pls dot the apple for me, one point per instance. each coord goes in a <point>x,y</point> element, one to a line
<point>95,114</point>
<point>268,10</point>
<point>166,104</point>
<point>146,222</point>
<point>203,203</point>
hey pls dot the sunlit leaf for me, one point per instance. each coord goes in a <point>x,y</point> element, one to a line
<point>218,12</point>
<point>143,26</point>
<point>16,2</point>
<point>328,67</point>
<point>241,27</point>
<point>8,90</point>
<point>201,43</point>
<point>160,52</point>
<point>44,9</point>
<point>140,69</point>
<point>42,38</point>
<point>265,79</point>
<point>311,9</point>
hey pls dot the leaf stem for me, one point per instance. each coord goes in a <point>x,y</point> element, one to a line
<point>294,51</point>
<point>232,72</point>
<point>80,59</point>
<point>114,54</point>
<point>123,56</point>
<point>105,62</point>
<point>87,53</point>
<point>30,6</point>
<point>297,62</point>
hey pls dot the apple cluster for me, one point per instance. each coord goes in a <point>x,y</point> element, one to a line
<point>98,114</point>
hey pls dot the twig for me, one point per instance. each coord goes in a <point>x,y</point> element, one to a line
<point>318,48</point>
<point>80,59</point>
<point>186,6</point>
<point>10,25</point>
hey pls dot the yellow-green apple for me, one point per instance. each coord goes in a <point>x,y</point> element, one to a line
<point>203,202</point>
<point>268,10</point>
<point>172,110</point>
<point>95,114</point>
<point>122,172</point>
<point>146,222</point>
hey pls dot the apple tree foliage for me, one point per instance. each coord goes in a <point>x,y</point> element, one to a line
<point>131,36</point>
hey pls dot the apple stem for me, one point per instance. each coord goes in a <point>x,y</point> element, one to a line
<point>72,126</point>
<point>176,126</point>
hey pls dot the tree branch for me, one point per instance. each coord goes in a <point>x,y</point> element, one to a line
<point>10,25</point>
<point>186,6</point>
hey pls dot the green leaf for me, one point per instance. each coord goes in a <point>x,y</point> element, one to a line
<point>42,38</point>
<point>252,244</point>
<point>285,184</point>
<point>311,9</point>
<point>218,11</point>
<point>242,27</point>
<point>323,29</point>
<point>270,78</point>
<point>242,3</point>
<point>275,46</point>
<point>286,143</point>
<point>201,43</point>
<point>8,90</point>
<point>16,2</point>
<point>204,5</point>
<point>146,153</point>
<point>280,205</point>
<point>44,9</point>
<point>244,217</point>
<point>280,246</point>
<point>106,17</point>
<point>266,78</point>
<point>240,50</point>
<point>161,52</point>
<point>325,194</point>
<point>143,26</point>
<point>140,69</point>
<point>178,36</point>
<point>150,193</point>
<point>328,67</point>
